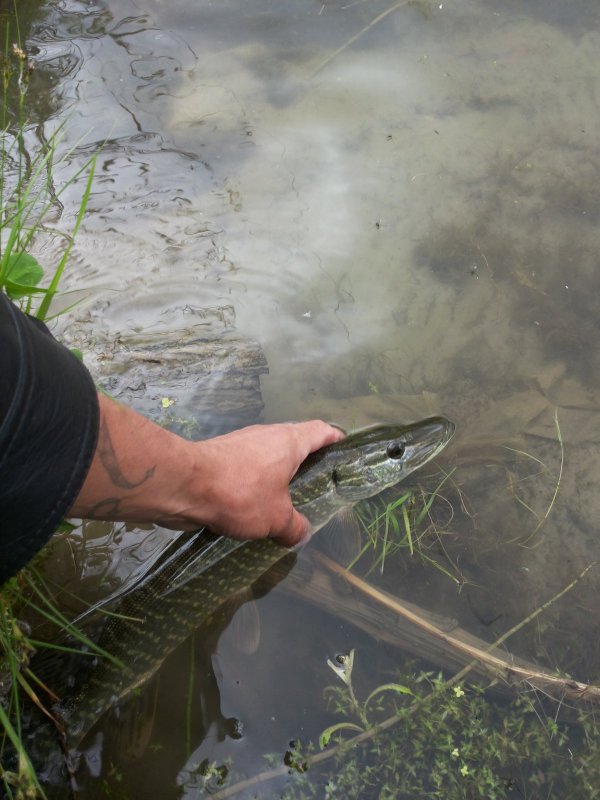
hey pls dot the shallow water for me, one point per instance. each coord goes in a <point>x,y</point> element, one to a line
<point>401,208</point>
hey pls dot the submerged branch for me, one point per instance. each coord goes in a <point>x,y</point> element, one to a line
<point>375,21</point>
<point>463,646</point>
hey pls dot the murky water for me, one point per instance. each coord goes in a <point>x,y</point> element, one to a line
<point>399,203</point>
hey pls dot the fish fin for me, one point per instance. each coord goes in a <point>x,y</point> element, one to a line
<point>340,538</point>
<point>182,549</point>
<point>129,730</point>
<point>244,627</point>
<point>242,609</point>
<point>210,549</point>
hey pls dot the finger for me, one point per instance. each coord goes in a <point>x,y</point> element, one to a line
<point>297,528</point>
<point>315,434</point>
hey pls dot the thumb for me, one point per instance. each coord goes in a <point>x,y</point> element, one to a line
<point>297,528</point>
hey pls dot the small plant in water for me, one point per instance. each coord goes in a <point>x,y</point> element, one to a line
<point>452,742</point>
<point>398,523</point>
<point>343,669</point>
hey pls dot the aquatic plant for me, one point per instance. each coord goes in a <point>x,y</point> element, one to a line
<point>456,742</point>
<point>542,519</point>
<point>424,736</point>
<point>395,522</point>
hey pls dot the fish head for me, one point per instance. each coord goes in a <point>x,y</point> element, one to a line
<point>371,460</point>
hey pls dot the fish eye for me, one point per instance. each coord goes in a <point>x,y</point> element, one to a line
<point>396,450</point>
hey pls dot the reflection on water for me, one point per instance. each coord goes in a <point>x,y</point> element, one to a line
<point>416,216</point>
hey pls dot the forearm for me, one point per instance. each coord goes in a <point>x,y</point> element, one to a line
<point>136,470</point>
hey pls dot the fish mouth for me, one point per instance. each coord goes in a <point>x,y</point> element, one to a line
<point>448,429</point>
<point>429,438</point>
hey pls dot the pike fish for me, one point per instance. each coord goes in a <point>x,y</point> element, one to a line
<point>191,587</point>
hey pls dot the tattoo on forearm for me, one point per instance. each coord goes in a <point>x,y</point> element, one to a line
<point>107,454</point>
<point>104,509</point>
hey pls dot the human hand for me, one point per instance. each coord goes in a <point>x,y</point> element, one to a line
<point>239,485</point>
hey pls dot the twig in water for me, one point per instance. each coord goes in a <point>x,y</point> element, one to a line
<point>558,481</point>
<point>356,36</point>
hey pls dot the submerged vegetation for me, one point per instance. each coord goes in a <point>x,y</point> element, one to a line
<point>424,736</point>
<point>20,781</point>
<point>453,742</point>
<point>392,523</point>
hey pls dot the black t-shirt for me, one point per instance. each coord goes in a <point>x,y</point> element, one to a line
<point>48,432</point>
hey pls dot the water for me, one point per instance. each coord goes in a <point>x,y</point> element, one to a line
<point>402,211</point>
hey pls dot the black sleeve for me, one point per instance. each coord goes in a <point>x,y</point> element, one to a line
<point>48,433</point>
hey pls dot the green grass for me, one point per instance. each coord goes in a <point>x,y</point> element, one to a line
<point>27,596</point>
<point>392,523</point>
<point>28,196</point>
<point>16,649</point>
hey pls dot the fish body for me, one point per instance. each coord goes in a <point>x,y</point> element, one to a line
<point>192,586</point>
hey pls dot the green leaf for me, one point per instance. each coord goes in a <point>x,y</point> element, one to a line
<point>407,529</point>
<point>388,687</point>
<point>23,269</point>
<point>18,290</point>
<point>65,527</point>
<point>42,311</point>
<point>339,726</point>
